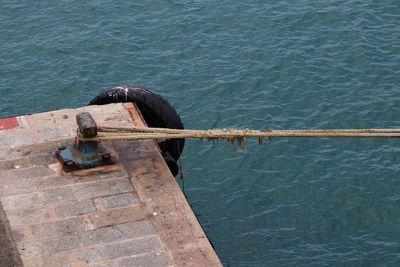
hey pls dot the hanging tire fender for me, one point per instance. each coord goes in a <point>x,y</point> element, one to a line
<point>156,111</point>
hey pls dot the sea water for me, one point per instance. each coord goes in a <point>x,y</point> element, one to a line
<point>246,64</point>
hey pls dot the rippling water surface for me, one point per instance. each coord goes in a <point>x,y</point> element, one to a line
<point>281,64</point>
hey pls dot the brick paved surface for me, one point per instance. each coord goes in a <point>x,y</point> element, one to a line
<point>131,213</point>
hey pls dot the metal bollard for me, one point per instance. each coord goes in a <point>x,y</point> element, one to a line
<point>84,154</point>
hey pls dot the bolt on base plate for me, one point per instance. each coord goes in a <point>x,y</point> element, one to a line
<point>79,155</point>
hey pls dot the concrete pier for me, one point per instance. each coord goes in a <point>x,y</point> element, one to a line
<point>131,213</point>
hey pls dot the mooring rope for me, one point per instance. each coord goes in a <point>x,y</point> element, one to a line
<point>139,133</point>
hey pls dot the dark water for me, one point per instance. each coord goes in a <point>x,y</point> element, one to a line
<point>260,64</point>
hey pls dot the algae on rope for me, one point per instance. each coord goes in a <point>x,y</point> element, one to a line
<point>261,140</point>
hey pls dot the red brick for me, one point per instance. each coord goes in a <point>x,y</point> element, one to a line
<point>14,164</point>
<point>27,216</point>
<point>96,176</point>
<point>48,246</point>
<point>117,216</point>
<point>23,174</point>
<point>24,201</point>
<point>37,184</point>
<point>30,150</point>
<point>55,260</point>
<point>39,198</point>
<point>59,228</point>
<point>43,159</point>
<point>61,194</point>
<point>119,232</point>
<point>75,208</point>
<point>116,250</point>
<point>91,190</point>
<point>117,200</point>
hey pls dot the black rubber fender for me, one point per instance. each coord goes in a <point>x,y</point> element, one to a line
<point>156,111</point>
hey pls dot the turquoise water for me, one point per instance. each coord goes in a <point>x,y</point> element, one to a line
<point>260,64</point>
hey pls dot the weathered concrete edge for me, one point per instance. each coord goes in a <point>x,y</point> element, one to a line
<point>183,252</point>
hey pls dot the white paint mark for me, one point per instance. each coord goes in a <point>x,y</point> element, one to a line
<point>126,94</point>
<point>22,121</point>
